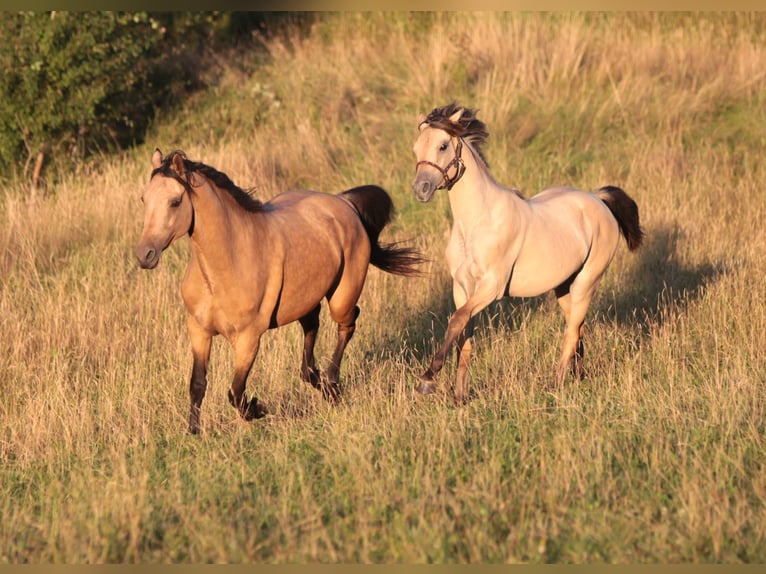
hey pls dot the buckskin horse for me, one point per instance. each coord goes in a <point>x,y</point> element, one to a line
<point>257,266</point>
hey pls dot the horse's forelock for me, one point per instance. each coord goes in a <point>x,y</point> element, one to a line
<point>468,126</point>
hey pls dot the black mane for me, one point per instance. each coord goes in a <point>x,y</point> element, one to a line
<point>218,178</point>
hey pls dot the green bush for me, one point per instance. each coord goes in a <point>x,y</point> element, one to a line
<point>85,81</point>
<point>73,80</point>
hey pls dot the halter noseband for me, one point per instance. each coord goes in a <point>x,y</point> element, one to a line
<point>457,161</point>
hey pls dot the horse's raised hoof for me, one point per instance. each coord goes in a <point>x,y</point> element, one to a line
<point>248,410</point>
<point>426,386</point>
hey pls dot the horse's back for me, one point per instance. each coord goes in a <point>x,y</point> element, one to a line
<point>319,242</point>
<point>567,206</point>
<point>313,212</point>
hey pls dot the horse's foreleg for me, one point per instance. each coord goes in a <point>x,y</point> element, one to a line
<point>455,327</point>
<point>201,341</point>
<point>464,346</point>
<point>245,351</point>
<point>485,293</point>
<point>330,387</point>
<point>310,324</point>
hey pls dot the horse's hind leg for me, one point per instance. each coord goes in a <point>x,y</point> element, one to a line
<point>577,361</point>
<point>346,327</point>
<point>573,348</point>
<point>310,324</point>
<point>201,341</point>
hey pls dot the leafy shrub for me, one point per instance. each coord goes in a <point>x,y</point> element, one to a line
<point>77,82</point>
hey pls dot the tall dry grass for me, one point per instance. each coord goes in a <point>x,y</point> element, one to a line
<point>658,456</point>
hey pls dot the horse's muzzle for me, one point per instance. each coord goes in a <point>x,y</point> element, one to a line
<point>148,256</point>
<point>423,189</point>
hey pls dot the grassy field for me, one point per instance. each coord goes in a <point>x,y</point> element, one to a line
<point>658,456</point>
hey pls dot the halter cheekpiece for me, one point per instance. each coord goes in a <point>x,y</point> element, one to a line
<point>457,161</point>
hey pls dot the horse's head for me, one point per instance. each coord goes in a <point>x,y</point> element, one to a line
<point>439,148</point>
<point>168,211</point>
<point>437,151</point>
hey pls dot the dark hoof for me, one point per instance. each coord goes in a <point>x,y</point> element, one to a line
<point>313,377</point>
<point>194,417</point>
<point>330,391</point>
<point>248,410</point>
<point>255,410</point>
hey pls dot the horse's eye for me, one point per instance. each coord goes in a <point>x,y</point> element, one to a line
<point>443,147</point>
<point>176,202</point>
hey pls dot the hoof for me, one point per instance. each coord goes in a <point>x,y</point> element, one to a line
<point>460,400</point>
<point>248,410</point>
<point>313,377</point>
<point>255,410</point>
<point>426,387</point>
<point>194,420</point>
<point>330,391</point>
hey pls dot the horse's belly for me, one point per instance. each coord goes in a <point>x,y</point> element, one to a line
<point>532,286</point>
<point>295,304</point>
<point>534,275</point>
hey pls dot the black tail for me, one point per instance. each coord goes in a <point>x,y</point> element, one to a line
<point>375,209</point>
<point>625,211</point>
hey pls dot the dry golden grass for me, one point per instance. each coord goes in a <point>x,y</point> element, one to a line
<point>658,456</point>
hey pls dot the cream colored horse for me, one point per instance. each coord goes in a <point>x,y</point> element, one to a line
<point>503,245</point>
<point>256,266</point>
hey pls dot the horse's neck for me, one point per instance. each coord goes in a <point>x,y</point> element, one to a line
<point>216,221</point>
<point>477,191</point>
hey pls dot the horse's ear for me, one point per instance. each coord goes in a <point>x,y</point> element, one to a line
<point>455,118</point>
<point>178,164</point>
<point>156,158</point>
<point>421,120</point>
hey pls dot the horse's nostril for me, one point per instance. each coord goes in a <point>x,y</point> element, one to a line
<point>146,256</point>
<point>422,190</point>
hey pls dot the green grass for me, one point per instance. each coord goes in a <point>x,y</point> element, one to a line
<point>657,456</point>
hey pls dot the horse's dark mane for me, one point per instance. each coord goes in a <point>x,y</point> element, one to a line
<point>219,179</point>
<point>468,126</point>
